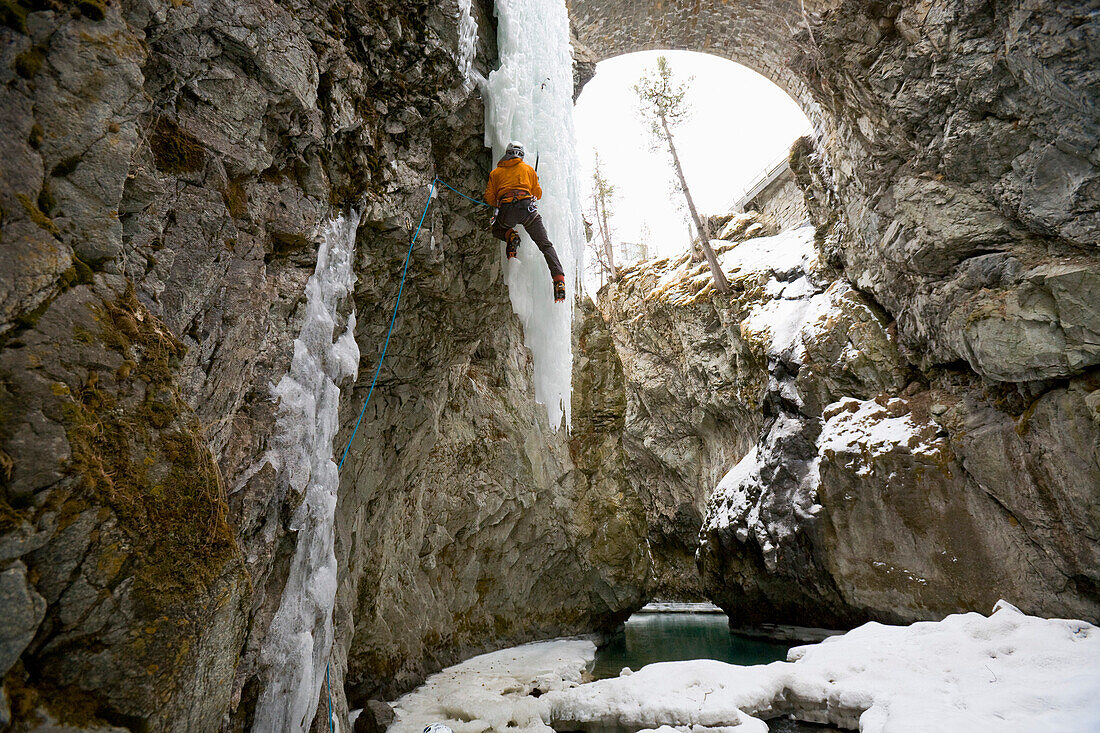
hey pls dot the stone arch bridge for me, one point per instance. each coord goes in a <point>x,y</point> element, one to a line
<point>754,33</point>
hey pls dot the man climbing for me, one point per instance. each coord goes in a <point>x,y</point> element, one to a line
<point>514,187</point>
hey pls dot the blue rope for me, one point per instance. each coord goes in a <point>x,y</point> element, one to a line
<point>393,319</point>
<point>329,685</point>
<point>476,201</point>
<point>385,346</point>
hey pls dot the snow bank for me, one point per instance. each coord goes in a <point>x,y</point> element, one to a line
<point>493,691</point>
<point>785,256</point>
<point>530,98</point>
<point>296,649</point>
<point>1006,673</point>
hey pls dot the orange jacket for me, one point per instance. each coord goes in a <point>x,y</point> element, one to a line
<point>511,175</point>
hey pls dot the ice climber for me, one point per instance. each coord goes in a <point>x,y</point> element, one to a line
<point>514,187</point>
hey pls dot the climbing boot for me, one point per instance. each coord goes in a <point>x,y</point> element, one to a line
<point>512,243</point>
<point>559,289</point>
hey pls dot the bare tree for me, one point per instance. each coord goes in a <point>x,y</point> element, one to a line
<point>602,192</point>
<point>662,104</point>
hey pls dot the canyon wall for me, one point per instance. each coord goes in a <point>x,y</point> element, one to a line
<point>953,189</point>
<point>167,170</point>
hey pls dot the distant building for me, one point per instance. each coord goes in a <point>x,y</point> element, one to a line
<point>776,196</point>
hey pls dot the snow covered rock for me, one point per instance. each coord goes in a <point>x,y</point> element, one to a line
<point>1005,673</point>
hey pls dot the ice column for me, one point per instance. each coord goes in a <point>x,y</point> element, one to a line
<point>297,645</point>
<point>467,39</point>
<point>530,98</point>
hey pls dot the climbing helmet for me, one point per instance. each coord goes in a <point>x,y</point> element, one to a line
<point>514,150</point>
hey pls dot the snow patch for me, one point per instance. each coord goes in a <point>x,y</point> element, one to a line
<point>493,691</point>
<point>784,255</point>
<point>874,428</point>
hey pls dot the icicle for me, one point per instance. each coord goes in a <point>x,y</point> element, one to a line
<point>296,648</point>
<point>530,98</point>
<point>467,40</point>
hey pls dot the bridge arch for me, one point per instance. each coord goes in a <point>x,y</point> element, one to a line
<point>757,34</point>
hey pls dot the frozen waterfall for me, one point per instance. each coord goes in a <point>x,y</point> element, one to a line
<point>297,645</point>
<point>530,98</point>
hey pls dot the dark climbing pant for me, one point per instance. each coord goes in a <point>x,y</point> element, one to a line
<point>524,212</point>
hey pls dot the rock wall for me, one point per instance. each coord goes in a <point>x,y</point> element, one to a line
<point>963,152</point>
<point>693,394</point>
<point>166,170</point>
<point>953,191</point>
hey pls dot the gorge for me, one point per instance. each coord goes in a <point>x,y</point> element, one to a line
<point>922,439</point>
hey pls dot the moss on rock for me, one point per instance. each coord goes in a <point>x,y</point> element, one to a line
<point>37,216</point>
<point>175,150</point>
<point>147,459</point>
<point>29,62</point>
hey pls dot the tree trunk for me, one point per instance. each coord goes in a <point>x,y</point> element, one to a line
<point>720,283</point>
<point>609,253</point>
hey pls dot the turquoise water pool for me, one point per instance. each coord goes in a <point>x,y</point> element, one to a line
<point>667,637</point>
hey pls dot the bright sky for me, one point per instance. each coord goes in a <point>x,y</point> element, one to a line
<point>740,124</point>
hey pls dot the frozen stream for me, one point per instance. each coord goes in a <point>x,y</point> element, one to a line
<point>1003,673</point>
<point>673,637</point>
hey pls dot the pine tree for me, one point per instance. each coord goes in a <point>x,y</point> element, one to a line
<point>662,104</point>
<point>602,192</point>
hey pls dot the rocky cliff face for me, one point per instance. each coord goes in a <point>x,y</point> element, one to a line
<point>166,170</point>
<point>693,393</point>
<point>901,473</point>
<point>964,162</point>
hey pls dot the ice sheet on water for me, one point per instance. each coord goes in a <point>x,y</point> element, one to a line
<point>530,98</point>
<point>296,648</point>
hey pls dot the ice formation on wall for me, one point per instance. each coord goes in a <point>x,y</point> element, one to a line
<point>297,645</point>
<point>467,40</point>
<point>530,98</point>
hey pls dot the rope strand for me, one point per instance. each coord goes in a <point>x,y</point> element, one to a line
<point>381,359</point>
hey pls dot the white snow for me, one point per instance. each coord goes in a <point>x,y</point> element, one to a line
<point>1006,673</point>
<point>296,649</point>
<point>492,691</point>
<point>787,254</point>
<point>871,427</point>
<point>530,98</point>
<point>732,500</point>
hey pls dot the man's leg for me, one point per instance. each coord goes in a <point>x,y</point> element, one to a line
<point>537,230</point>
<point>504,228</point>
